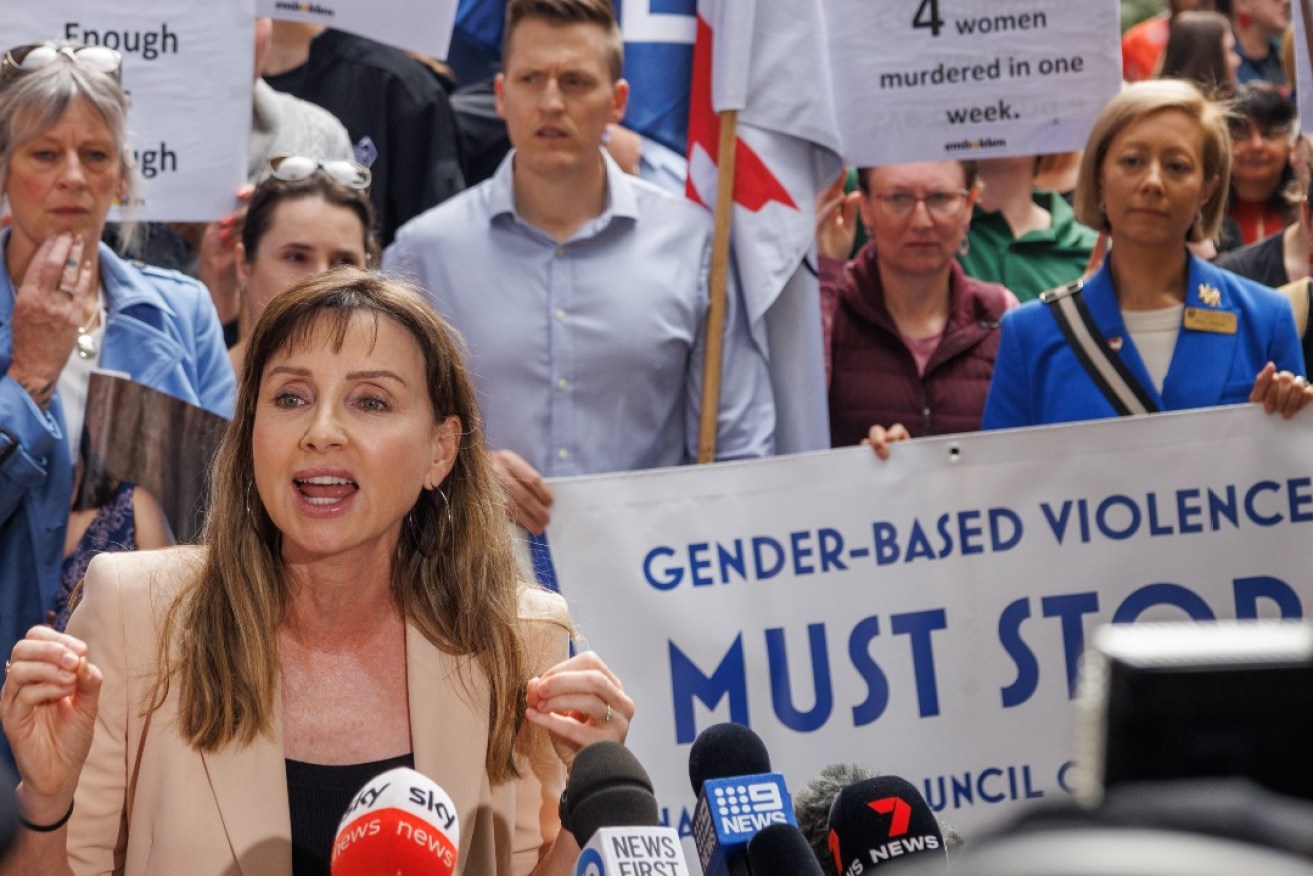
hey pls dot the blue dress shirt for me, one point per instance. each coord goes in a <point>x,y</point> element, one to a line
<point>587,354</point>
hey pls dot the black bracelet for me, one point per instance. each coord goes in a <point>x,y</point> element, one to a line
<point>47,828</point>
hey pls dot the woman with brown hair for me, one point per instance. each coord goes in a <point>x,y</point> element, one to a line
<point>213,710</point>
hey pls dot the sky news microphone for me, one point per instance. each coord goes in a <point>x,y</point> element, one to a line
<point>884,826</point>
<point>610,808</point>
<point>400,824</point>
<point>738,795</point>
<point>781,850</point>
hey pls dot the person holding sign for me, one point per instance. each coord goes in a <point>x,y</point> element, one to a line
<point>71,306</point>
<point>214,710</point>
<point>1156,328</point>
<point>912,338</point>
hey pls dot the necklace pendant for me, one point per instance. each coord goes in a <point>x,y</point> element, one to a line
<point>86,345</point>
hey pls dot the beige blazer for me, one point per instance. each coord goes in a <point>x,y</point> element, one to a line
<point>147,803</point>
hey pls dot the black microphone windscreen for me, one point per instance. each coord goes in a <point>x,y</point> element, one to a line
<point>725,750</point>
<point>781,850</point>
<point>608,787</point>
<point>885,824</point>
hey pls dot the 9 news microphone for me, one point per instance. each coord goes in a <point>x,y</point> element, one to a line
<point>884,826</point>
<point>738,795</point>
<point>610,808</point>
<point>400,824</point>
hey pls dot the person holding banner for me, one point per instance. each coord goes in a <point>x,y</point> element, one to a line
<point>912,338</point>
<point>1156,328</point>
<point>356,608</point>
<point>582,290</point>
<point>71,306</point>
<point>305,217</point>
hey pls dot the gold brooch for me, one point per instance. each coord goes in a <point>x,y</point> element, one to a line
<point>1210,295</point>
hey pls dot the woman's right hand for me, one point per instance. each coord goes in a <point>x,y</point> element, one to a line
<point>836,220</point>
<point>49,308</point>
<point>48,707</point>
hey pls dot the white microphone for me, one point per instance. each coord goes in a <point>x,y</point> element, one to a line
<point>400,824</point>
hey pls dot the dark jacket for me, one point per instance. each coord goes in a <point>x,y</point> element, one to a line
<point>397,114</point>
<point>873,376</point>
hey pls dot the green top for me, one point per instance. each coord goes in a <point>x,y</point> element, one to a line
<point>1034,262</point>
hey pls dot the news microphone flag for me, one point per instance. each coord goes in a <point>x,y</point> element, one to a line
<point>729,813</point>
<point>632,851</point>
<point>401,823</point>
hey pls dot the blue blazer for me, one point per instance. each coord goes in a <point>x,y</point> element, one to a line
<point>1038,379</point>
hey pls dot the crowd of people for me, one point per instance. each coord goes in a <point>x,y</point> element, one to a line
<point>363,595</point>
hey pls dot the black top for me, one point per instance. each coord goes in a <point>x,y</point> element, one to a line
<point>1262,261</point>
<point>317,797</point>
<point>398,115</point>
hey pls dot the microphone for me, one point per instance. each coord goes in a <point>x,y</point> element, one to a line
<point>812,802</point>
<point>401,823</point>
<point>738,795</point>
<point>609,807</point>
<point>884,825</point>
<point>781,850</point>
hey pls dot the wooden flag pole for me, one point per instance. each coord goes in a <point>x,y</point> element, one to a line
<point>717,283</point>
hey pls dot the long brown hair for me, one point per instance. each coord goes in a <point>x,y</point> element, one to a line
<point>453,576</point>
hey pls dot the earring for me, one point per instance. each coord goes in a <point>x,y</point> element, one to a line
<point>249,516</point>
<point>964,247</point>
<point>451,523</point>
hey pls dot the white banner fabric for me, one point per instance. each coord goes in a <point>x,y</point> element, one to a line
<point>924,616</point>
<point>187,68</point>
<point>1300,14</point>
<point>420,25</point>
<point>923,80</point>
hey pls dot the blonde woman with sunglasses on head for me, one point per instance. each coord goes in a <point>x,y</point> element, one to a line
<point>71,306</point>
<point>306,215</point>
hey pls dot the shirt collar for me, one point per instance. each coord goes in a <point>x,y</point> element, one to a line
<point>621,199</point>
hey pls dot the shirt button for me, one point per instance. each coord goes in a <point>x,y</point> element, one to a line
<point>560,251</point>
<point>563,454</point>
<point>562,383</point>
<point>559,313</point>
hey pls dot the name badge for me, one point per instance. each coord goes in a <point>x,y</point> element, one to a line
<point>1216,321</point>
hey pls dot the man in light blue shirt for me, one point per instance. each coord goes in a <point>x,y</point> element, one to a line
<point>582,291</point>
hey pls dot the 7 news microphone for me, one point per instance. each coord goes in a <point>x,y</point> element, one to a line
<point>883,826</point>
<point>738,796</point>
<point>400,823</point>
<point>610,808</point>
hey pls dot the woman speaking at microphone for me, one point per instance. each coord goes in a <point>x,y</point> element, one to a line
<point>212,710</point>
<point>1156,328</point>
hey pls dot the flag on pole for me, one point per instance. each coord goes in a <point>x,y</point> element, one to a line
<point>768,60</point>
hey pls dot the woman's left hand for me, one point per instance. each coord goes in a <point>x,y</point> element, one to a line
<point>1281,391</point>
<point>579,702</point>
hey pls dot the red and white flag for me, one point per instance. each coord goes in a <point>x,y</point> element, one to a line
<point>768,60</point>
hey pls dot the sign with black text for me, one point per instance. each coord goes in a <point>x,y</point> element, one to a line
<point>919,80</point>
<point>188,67</point>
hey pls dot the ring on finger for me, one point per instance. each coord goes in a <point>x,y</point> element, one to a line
<point>607,718</point>
<point>68,290</point>
<point>70,262</point>
<point>7,664</point>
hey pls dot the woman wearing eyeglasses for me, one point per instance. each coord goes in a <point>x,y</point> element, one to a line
<point>912,339</point>
<point>304,217</point>
<point>1156,328</point>
<point>71,306</point>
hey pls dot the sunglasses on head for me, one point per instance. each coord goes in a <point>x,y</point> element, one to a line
<point>35,56</point>
<point>294,168</point>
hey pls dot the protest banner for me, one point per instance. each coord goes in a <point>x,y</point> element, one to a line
<point>924,617</point>
<point>187,70</point>
<point>420,25</point>
<point>921,80</point>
